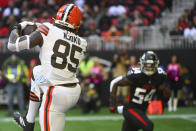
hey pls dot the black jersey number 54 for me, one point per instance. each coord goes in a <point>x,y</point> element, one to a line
<point>70,51</point>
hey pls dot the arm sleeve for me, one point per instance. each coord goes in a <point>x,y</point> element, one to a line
<point>18,44</point>
<point>113,82</point>
<point>21,43</point>
<point>120,81</point>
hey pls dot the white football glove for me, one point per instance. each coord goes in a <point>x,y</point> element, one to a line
<point>25,23</point>
<point>120,109</point>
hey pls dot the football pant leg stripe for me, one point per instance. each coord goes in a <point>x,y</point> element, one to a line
<point>34,99</point>
<point>47,108</point>
<point>131,111</point>
<point>33,94</point>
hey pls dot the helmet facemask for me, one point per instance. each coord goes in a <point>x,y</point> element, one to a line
<point>149,63</point>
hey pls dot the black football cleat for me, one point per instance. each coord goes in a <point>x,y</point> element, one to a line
<point>22,122</point>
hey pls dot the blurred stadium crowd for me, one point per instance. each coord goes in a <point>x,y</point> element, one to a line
<point>106,18</point>
<point>185,26</point>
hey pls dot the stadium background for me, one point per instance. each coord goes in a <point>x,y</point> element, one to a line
<point>138,25</point>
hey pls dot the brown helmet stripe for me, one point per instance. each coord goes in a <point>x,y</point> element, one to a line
<point>64,12</point>
<point>69,13</point>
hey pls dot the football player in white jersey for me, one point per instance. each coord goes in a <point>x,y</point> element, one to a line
<point>60,54</point>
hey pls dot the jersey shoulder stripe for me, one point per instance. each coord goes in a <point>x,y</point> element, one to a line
<point>161,71</point>
<point>43,29</point>
<point>134,71</point>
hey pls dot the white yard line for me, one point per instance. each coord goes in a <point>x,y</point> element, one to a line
<point>190,117</point>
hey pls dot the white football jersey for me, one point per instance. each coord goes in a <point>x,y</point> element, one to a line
<point>60,54</point>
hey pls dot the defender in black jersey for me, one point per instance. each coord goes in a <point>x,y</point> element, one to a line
<point>144,82</point>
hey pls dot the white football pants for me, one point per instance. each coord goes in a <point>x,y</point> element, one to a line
<point>56,101</point>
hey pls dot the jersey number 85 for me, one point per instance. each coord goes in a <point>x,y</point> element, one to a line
<point>69,52</point>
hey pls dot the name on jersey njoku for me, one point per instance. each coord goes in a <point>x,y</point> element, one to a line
<point>74,39</point>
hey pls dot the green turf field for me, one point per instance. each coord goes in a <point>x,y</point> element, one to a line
<point>182,120</point>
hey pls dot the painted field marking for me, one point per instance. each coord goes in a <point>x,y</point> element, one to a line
<point>190,117</point>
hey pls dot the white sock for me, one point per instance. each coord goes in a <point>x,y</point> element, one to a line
<point>170,104</point>
<point>32,111</point>
<point>175,104</point>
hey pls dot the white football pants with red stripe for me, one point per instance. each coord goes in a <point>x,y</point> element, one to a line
<point>56,101</point>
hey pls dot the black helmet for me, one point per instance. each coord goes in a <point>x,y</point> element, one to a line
<point>149,63</point>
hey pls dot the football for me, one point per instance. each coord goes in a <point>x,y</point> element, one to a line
<point>28,29</point>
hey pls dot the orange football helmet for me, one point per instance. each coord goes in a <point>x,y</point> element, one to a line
<point>69,15</point>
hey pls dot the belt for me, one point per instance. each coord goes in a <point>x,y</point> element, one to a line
<point>68,84</point>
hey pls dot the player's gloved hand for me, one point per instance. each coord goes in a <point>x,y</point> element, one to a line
<point>113,107</point>
<point>25,23</point>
